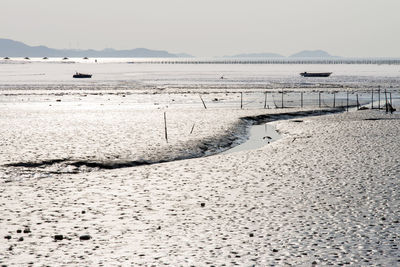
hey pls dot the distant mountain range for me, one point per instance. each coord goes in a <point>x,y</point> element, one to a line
<point>302,54</point>
<point>313,54</point>
<point>10,48</point>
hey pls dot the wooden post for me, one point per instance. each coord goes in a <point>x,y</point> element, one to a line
<point>379,97</point>
<point>391,104</point>
<point>372,99</point>
<point>334,100</point>
<point>165,126</point>
<point>265,100</point>
<point>282,98</point>
<point>319,99</point>
<point>347,109</point>
<point>204,104</point>
<point>241,100</point>
<point>191,131</point>
<point>301,99</point>
<point>358,104</point>
<point>386,101</point>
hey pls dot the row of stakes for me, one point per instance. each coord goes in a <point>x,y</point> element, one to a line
<point>388,105</point>
<point>388,101</point>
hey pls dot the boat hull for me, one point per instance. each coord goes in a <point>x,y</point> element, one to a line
<point>80,75</point>
<point>315,74</point>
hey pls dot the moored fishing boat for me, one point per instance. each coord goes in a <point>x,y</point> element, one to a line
<point>82,75</point>
<point>315,74</point>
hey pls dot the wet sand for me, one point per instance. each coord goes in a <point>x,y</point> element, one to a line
<point>326,193</point>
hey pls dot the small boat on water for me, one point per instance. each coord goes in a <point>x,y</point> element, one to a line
<point>315,74</point>
<point>6,58</point>
<point>82,75</point>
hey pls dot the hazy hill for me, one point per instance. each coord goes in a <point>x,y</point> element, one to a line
<point>257,55</point>
<point>302,54</point>
<point>12,48</point>
<point>312,54</point>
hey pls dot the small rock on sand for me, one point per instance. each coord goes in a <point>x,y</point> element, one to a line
<point>85,237</point>
<point>58,237</point>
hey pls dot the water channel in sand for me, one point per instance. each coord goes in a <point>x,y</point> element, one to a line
<point>259,136</point>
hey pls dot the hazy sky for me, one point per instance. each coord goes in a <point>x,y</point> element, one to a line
<point>208,27</point>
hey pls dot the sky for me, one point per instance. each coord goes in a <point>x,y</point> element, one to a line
<point>206,28</point>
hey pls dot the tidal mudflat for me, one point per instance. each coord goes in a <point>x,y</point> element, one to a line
<point>325,193</point>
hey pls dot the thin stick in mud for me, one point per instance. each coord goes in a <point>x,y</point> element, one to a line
<point>165,126</point>
<point>191,131</point>
<point>319,99</point>
<point>204,104</point>
<point>379,97</point>
<point>334,100</point>
<point>301,101</point>
<point>386,102</point>
<point>372,99</point>
<point>265,100</point>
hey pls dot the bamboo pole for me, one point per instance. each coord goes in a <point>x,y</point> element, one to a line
<point>391,104</point>
<point>204,104</point>
<point>386,101</point>
<point>358,103</point>
<point>334,100</point>
<point>379,97</point>
<point>319,99</point>
<point>347,106</point>
<point>301,99</point>
<point>241,100</point>
<point>372,99</point>
<point>265,100</point>
<point>165,126</point>
<point>282,98</point>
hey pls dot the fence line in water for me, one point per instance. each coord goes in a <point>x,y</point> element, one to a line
<point>268,61</point>
<point>268,100</point>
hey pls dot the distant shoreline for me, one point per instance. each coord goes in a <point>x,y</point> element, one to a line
<point>158,60</point>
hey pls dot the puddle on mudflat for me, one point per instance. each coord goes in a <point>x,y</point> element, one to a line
<point>259,136</point>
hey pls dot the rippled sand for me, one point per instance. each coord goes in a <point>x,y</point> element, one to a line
<point>327,193</point>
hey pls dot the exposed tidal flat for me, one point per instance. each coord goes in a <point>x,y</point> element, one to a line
<point>325,193</point>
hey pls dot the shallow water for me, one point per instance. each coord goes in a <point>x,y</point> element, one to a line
<point>259,136</point>
<point>108,73</point>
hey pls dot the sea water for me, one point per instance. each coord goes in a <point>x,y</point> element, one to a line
<point>115,75</point>
<point>259,136</point>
